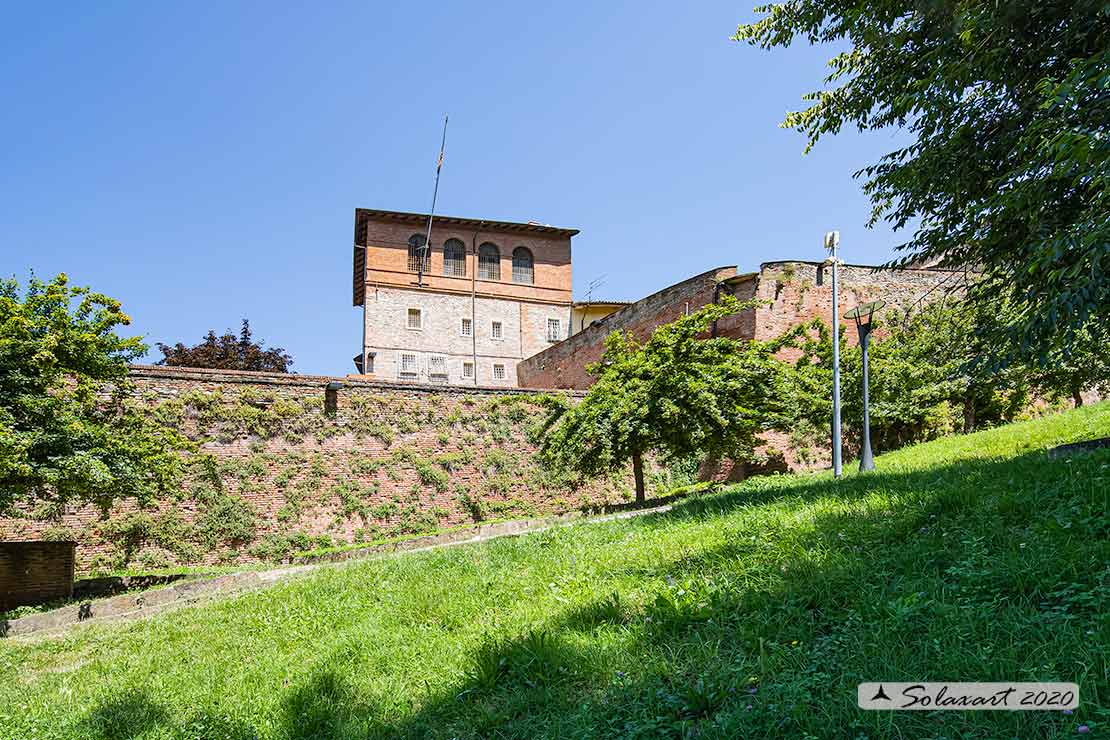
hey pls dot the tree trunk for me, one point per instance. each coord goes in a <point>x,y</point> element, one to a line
<point>1077,397</point>
<point>969,414</point>
<point>638,471</point>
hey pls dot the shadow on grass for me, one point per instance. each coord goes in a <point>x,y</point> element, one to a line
<point>906,592</point>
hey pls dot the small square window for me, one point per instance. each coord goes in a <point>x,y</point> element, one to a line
<point>468,369</point>
<point>408,366</point>
<point>416,319</point>
<point>437,368</point>
<point>554,330</point>
<point>495,330</point>
<point>498,372</point>
<point>467,328</point>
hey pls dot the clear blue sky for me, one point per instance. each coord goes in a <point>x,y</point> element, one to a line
<point>202,161</point>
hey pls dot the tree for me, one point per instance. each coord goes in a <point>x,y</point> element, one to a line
<point>677,394</point>
<point>1008,172</point>
<point>228,352</point>
<point>1083,366</point>
<point>925,378</point>
<point>67,431</point>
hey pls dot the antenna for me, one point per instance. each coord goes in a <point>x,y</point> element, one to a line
<point>431,213</point>
<point>597,282</point>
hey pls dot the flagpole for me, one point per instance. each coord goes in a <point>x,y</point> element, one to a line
<point>435,191</point>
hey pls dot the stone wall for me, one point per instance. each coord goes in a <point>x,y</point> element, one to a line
<point>523,332</point>
<point>275,473</point>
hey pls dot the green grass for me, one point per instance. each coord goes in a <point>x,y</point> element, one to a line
<point>969,558</point>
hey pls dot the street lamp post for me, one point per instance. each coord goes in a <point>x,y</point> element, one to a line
<point>863,315</point>
<point>832,242</point>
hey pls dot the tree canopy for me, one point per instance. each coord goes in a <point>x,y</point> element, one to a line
<point>1008,171</point>
<point>67,431</point>
<point>676,394</point>
<point>228,352</point>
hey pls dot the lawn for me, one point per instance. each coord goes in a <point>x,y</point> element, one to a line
<point>749,613</point>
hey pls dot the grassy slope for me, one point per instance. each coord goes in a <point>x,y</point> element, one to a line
<point>752,613</point>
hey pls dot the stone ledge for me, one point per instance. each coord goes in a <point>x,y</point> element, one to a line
<point>251,377</point>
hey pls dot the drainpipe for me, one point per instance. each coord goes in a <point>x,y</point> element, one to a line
<point>474,301</point>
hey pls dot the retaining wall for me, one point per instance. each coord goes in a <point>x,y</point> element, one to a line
<point>276,471</point>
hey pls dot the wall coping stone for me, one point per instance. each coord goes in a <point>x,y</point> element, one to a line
<point>252,377</point>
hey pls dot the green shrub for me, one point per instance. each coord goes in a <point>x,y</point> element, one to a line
<point>431,475</point>
<point>226,519</point>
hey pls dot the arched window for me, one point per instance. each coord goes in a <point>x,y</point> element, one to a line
<point>419,258</point>
<point>489,262</point>
<point>522,266</point>
<point>454,258</point>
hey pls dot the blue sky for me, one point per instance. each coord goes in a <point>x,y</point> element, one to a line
<point>202,161</point>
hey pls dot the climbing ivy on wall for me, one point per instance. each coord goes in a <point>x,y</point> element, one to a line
<point>274,475</point>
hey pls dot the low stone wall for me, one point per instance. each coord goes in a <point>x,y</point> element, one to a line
<point>277,470</point>
<point>35,572</point>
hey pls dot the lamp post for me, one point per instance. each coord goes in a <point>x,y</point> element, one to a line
<point>863,315</point>
<point>832,241</point>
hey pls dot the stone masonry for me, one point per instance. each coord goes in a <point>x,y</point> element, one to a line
<point>458,322</point>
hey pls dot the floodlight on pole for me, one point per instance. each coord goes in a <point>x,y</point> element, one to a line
<point>832,243</point>
<point>863,314</point>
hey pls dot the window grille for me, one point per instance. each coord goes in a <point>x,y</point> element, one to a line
<point>437,368</point>
<point>498,372</point>
<point>489,262</point>
<point>408,366</point>
<point>418,255</point>
<point>468,369</point>
<point>467,328</point>
<point>416,319</point>
<point>554,330</point>
<point>454,258</point>
<point>495,330</point>
<point>522,266</point>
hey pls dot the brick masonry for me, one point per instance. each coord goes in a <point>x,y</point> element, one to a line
<point>35,572</point>
<point>564,365</point>
<point>791,293</point>
<point>395,459</point>
<point>387,288</point>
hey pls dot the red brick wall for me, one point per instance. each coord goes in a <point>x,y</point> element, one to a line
<point>791,295</point>
<point>370,452</point>
<point>34,572</point>
<point>789,289</point>
<point>564,364</point>
<point>794,297</point>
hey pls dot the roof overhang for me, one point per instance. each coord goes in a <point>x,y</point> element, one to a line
<point>362,215</point>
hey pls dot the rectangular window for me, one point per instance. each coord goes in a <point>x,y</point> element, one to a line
<point>468,369</point>
<point>467,328</point>
<point>554,330</point>
<point>498,372</point>
<point>408,366</point>
<point>437,369</point>
<point>416,319</point>
<point>495,330</point>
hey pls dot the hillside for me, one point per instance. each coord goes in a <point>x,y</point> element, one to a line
<point>749,613</point>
